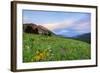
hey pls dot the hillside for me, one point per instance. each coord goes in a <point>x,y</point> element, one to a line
<point>85,37</point>
<point>36,29</point>
<point>52,48</point>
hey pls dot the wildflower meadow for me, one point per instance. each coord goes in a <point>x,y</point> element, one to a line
<point>39,48</point>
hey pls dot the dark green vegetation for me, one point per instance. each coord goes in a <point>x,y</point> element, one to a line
<point>85,37</point>
<point>37,47</point>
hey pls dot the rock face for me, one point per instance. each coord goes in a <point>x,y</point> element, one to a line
<point>36,29</point>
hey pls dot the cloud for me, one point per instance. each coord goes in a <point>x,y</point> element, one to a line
<point>70,26</point>
<point>73,24</point>
<point>61,31</point>
<point>60,25</point>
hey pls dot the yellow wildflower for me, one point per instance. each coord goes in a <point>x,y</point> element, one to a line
<point>42,55</point>
<point>37,58</point>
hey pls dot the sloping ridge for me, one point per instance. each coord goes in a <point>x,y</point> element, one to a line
<point>36,29</point>
<point>85,37</point>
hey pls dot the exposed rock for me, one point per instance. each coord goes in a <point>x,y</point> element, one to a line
<point>36,29</point>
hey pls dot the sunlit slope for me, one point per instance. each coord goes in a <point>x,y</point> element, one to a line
<point>53,48</point>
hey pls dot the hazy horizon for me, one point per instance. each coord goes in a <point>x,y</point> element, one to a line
<point>61,23</point>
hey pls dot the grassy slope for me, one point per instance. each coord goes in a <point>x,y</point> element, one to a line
<point>53,48</point>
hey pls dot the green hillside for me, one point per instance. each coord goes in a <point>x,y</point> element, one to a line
<point>52,48</point>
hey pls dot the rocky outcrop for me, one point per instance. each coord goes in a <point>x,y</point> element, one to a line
<point>36,29</point>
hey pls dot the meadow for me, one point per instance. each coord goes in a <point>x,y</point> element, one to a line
<point>38,48</point>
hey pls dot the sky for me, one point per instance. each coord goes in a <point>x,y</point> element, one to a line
<point>68,24</point>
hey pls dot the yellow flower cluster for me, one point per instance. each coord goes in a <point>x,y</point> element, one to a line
<point>42,55</point>
<point>39,56</point>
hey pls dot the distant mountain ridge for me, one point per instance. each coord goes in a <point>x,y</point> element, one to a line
<point>85,37</point>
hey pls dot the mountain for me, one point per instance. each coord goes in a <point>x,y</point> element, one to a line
<point>85,37</point>
<point>36,29</point>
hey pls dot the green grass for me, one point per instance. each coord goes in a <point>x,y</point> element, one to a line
<point>52,48</point>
